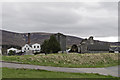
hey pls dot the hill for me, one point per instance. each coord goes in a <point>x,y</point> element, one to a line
<point>19,39</point>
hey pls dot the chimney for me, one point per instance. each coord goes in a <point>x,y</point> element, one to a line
<point>28,38</point>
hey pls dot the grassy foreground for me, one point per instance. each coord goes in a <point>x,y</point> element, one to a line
<point>30,73</point>
<point>67,60</point>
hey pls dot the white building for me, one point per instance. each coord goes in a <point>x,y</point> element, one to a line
<point>35,48</point>
<point>13,49</point>
<point>26,48</point>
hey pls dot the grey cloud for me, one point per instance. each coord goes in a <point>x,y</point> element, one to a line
<point>81,19</point>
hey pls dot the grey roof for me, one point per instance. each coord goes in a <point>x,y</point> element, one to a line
<point>98,47</point>
<point>114,48</point>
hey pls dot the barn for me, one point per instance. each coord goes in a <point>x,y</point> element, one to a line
<point>91,46</point>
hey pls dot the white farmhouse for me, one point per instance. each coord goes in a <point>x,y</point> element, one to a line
<point>36,47</point>
<point>26,48</point>
<point>13,49</point>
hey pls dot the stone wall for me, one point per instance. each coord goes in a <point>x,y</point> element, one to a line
<point>62,40</point>
<point>89,45</point>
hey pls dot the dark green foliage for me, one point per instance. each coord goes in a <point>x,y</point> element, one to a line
<point>45,47</point>
<point>36,53</point>
<point>54,44</point>
<point>51,45</point>
<point>11,53</point>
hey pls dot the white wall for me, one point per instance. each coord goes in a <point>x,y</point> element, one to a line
<point>36,47</point>
<point>26,48</point>
<point>12,49</point>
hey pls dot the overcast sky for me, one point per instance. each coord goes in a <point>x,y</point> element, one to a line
<point>82,19</point>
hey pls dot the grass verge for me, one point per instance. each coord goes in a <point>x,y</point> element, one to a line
<point>67,60</point>
<point>31,73</point>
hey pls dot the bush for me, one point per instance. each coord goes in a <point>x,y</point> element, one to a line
<point>36,53</point>
<point>11,53</point>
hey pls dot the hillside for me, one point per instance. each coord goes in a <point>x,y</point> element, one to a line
<point>20,39</point>
<point>12,38</point>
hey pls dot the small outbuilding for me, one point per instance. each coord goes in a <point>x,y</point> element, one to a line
<point>13,49</point>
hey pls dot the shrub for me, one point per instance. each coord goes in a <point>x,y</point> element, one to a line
<point>11,53</point>
<point>36,53</point>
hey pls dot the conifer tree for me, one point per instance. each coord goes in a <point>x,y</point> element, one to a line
<point>51,45</point>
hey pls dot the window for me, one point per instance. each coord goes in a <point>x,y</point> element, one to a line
<point>37,46</point>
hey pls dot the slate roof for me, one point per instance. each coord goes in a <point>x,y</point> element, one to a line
<point>98,47</point>
<point>114,48</point>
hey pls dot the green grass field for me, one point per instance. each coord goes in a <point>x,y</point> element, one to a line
<point>67,60</point>
<point>30,73</point>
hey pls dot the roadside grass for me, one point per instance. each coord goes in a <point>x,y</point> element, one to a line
<point>87,60</point>
<point>31,73</point>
